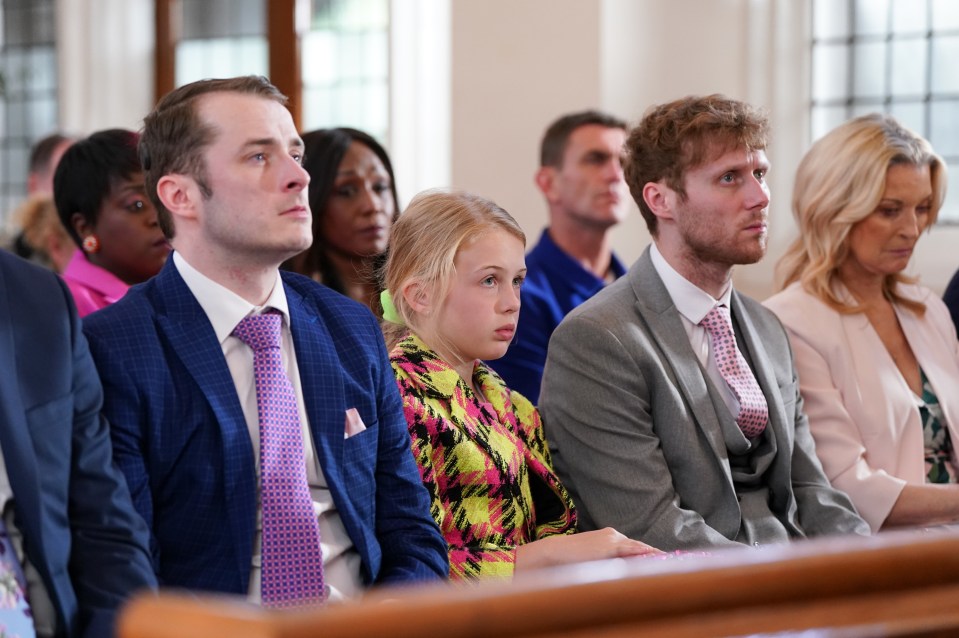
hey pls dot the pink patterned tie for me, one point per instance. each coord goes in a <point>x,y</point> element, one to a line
<point>292,562</point>
<point>753,411</point>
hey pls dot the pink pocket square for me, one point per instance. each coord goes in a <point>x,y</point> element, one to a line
<point>354,423</point>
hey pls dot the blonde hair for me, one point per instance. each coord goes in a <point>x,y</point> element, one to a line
<point>840,181</point>
<point>43,230</point>
<point>424,243</point>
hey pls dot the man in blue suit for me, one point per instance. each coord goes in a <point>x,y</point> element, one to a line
<point>82,546</point>
<point>223,165</point>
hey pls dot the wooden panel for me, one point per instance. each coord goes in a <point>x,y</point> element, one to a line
<point>167,17</point>
<point>894,585</point>
<point>285,53</point>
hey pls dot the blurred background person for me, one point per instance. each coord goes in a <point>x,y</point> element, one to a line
<point>44,157</point>
<point>49,243</point>
<point>581,177</point>
<point>951,298</point>
<point>354,204</point>
<point>876,354</point>
<point>100,198</point>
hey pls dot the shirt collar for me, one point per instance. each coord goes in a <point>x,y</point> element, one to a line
<point>222,306</point>
<point>690,300</point>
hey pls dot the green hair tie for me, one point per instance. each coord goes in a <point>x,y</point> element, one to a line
<point>389,309</point>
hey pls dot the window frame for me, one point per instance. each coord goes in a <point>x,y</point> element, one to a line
<point>887,99</point>
<point>283,47</point>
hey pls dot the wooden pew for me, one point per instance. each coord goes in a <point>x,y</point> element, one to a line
<point>893,585</point>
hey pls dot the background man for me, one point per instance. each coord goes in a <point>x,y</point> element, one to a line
<point>49,246</point>
<point>244,402</point>
<point>671,401</point>
<point>67,509</point>
<point>581,176</point>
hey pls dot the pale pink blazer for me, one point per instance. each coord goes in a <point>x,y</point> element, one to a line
<point>862,414</point>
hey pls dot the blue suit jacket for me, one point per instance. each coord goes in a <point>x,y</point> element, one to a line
<point>180,437</point>
<point>71,504</point>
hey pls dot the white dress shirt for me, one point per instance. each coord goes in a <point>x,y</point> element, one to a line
<point>225,309</point>
<point>693,304</point>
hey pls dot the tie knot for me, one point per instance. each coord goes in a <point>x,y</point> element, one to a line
<point>717,321</point>
<point>260,332</point>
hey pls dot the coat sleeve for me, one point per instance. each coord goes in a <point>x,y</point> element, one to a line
<point>471,554</point>
<point>839,441</point>
<point>109,558</point>
<point>413,549</point>
<point>124,413</point>
<point>823,509</point>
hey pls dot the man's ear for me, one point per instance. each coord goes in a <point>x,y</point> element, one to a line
<point>179,194</point>
<point>418,297</point>
<point>545,179</point>
<point>660,199</point>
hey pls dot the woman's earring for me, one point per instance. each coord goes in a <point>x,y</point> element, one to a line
<point>91,244</point>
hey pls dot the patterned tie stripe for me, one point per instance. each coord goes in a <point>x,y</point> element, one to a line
<point>292,562</point>
<point>753,411</point>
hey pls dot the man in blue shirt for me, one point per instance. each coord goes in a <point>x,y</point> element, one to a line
<point>581,176</point>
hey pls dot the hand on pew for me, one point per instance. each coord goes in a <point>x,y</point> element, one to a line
<point>581,547</point>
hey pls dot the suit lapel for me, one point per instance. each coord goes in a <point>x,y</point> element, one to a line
<point>657,311</point>
<point>183,322</point>
<point>762,370</point>
<point>323,391</point>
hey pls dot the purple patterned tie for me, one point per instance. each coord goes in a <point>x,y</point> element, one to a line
<point>292,562</point>
<point>753,411</point>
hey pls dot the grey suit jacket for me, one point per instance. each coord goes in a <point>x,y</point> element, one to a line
<point>635,434</point>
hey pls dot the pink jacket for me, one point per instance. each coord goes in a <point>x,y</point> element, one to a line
<point>92,287</point>
<point>861,412</point>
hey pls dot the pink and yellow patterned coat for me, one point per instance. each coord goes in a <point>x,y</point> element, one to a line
<point>484,461</point>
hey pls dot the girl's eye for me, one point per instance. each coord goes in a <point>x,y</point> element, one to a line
<point>136,206</point>
<point>489,281</point>
<point>518,281</point>
<point>727,178</point>
<point>346,191</point>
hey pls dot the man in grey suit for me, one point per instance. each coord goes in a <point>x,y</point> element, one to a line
<point>661,427</point>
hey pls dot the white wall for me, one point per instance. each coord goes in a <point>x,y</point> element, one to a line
<point>548,57</point>
<point>516,66</point>
<point>105,58</point>
<point>477,81</point>
<point>420,77</point>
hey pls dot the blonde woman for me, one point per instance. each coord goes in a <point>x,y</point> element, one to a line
<point>877,354</point>
<point>452,280</point>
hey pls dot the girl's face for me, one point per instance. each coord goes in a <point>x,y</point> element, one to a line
<point>477,320</point>
<point>359,212</point>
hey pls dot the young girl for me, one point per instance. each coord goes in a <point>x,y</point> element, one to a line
<point>452,284</point>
